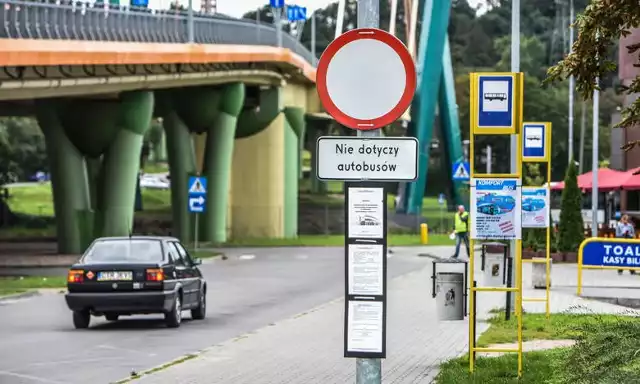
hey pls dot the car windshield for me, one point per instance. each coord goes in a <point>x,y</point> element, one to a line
<point>124,251</point>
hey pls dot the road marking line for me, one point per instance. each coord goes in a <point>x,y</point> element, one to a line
<point>247,257</point>
<point>29,377</point>
<point>104,346</point>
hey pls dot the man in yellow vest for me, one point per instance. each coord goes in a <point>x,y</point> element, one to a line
<point>461,229</point>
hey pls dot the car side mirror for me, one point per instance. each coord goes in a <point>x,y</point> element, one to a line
<point>197,261</point>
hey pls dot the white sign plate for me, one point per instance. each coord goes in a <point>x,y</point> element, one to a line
<point>364,327</point>
<point>535,207</point>
<point>366,213</point>
<point>367,158</point>
<point>366,269</point>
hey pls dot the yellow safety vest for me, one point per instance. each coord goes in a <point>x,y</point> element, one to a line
<point>461,226</point>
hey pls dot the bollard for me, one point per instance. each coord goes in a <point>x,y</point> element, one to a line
<point>424,233</point>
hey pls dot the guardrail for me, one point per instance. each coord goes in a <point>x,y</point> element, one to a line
<point>76,20</point>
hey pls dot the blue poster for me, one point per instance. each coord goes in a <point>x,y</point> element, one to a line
<point>535,207</point>
<point>496,209</point>
<point>608,253</point>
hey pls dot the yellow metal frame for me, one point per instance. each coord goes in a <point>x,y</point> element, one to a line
<point>516,89</point>
<point>547,144</point>
<point>596,240</point>
<point>547,260</point>
<point>518,95</point>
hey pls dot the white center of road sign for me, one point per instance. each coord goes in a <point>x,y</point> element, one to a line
<point>461,172</point>
<point>359,158</point>
<point>197,187</point>
<point>366,79</point>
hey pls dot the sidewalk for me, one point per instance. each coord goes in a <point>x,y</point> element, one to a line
<point>308,348</point>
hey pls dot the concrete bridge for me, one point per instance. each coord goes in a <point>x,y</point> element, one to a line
<point>235,108</point>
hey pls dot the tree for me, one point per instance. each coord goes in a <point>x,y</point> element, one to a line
<point>571,227</point>
<point>599,29</point>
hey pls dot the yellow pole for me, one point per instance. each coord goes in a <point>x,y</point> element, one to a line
<point>579,290</point>
<point>472,317</point>
<point>424,233</point>
<point>519,284</point>
<point>548,267</point>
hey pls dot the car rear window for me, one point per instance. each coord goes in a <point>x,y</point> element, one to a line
<point>124,251</point>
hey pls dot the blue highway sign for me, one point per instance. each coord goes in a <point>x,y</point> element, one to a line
<point>296,13</point>
<point>460,171</point>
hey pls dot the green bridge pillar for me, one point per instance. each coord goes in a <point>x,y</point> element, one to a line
<point>293,143</point>
<point>68,179</point>
<point>94,147</point>
<point>182,164</point>
<point>217,162</point>
<point>121,163</point>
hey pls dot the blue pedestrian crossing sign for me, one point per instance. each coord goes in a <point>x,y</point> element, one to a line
<point>197,194</point>
<point>460,171</point>
<point>496,99</point>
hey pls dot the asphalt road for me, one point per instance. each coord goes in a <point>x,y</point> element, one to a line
<point>252,289</point>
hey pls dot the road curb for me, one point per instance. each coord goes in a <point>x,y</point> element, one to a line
<point>17,296</point>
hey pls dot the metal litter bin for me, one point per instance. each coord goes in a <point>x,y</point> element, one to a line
<point>539,273</point>
<point>450,296</point>
<point>494,270</point>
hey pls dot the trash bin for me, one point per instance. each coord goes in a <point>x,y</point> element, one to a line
<point>450,296</point>
<point>539,273</point>
<point>494,270</point>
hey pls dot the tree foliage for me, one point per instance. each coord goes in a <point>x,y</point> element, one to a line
<point>571,226</point>
<point>599,30</point>
<point>22,149</point>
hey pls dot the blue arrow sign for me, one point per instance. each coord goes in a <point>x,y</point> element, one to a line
<point>197,204</point>
<point>460,171</point>
<point>496,103</point>
<point>276,3</point>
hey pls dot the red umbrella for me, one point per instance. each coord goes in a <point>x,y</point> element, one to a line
<point>608,179</point>
<point>632,180</point>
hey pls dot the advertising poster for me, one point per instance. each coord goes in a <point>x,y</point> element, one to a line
<point>366,213</point>
<point>366,269</point>
<point>535,207</point>
<point>496,209</point>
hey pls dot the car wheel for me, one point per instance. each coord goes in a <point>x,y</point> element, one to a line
<point>111,316</point>
<point>200,312</point>
<point>81,319</point>
<point>174,317</point>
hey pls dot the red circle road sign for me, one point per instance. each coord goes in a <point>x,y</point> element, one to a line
<point>366,79</point>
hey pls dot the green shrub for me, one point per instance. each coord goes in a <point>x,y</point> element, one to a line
<point>570,233</point>
<point>607,351</point>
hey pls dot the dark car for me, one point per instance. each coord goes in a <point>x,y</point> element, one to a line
<point>120,276</point>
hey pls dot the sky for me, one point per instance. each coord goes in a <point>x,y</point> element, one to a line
<point>237,8</point>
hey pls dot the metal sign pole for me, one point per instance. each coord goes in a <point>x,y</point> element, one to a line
<point>195,235</point>
<point>369,371</point>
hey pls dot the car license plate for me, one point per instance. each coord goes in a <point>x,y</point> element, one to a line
<point>116,275</point>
